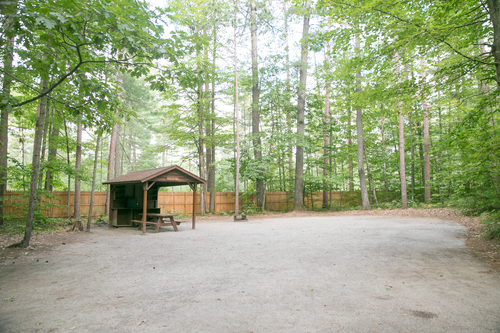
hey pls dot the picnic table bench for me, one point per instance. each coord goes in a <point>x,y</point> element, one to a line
<point>159,220</point>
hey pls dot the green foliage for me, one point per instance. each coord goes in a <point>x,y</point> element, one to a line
<point>492,225</point>
<point>105,59</point>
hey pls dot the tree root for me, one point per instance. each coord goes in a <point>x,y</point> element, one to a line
<point>18,244</point>
<point>77,225</point>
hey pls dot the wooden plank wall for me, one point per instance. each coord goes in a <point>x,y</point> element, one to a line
<point>16,203</point>
<point>55,205</point>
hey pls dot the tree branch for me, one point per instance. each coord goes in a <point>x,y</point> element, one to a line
<point>428,31</point>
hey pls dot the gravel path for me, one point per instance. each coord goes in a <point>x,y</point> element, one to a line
<point>295,274</point>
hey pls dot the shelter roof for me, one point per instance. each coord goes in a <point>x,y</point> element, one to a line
<point>166,176</point>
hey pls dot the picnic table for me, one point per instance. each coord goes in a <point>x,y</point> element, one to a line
<point>159,220</point>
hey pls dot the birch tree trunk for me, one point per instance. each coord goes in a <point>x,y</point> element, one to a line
<point>298,197</point>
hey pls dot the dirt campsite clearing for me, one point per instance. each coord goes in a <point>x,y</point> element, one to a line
<point>283,273</point>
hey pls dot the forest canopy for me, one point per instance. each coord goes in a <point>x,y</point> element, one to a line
<point>395,100</point>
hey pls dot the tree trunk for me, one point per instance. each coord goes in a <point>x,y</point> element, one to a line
<point>4,124</point>
<point>94,176</point>
<point>53,141</point>
<point>78,169</point>
<point>69,165</point>
<point>118,159</point>
<point>257,149</point>
<point>412,152</point>
<point>208,117</point>
<point>349,144</point>
<point>46,130</point>
<point>402,166</point>
<point>298,197</point>
<point>111,160</point>
<point>370,176</point>
<point>5,108</point>
<point>201,152</point>
<point>427,157</point>
<point>112,151</point>
<point>384,156</point>
<point>288,99</point>
<point>494,11</point>
<point>37,146</point>
<point>326,132</point>
<point>237,121</point>
<point>211,176</point>
<point>361,140</point>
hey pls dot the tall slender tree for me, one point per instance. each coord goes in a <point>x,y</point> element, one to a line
<point>9,35</point>
<point>257,148</point>
<point>298,196</point>
<point>236,119</point>
<point>361,137</point>
<point>402,167</point>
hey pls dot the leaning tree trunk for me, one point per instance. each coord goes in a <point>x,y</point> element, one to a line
<point>298,197</point>
<point>37,147</point>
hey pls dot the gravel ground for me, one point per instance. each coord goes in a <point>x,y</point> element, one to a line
<point>290,273</point>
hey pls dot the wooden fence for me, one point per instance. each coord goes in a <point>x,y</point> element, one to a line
<point>55,204</point>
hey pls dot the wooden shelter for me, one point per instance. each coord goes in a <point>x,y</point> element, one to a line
<point>134,195</point>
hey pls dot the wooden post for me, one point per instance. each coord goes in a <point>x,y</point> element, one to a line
<point>194,204</point>
<point>145,206</point>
